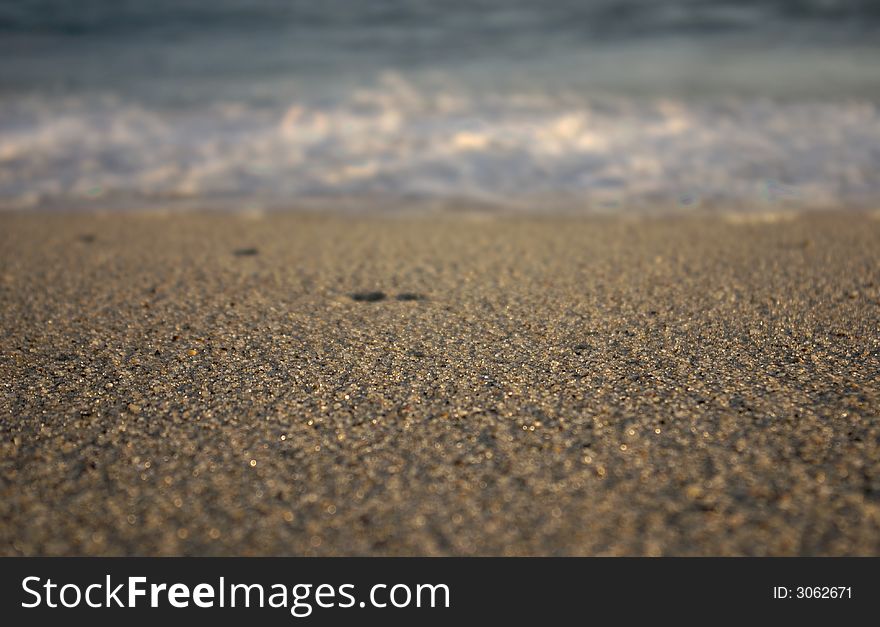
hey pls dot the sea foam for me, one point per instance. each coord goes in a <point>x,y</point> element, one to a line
<point>393,139</point>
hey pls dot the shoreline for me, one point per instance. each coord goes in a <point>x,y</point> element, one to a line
<point>368,206</point>
<point>443,384</point>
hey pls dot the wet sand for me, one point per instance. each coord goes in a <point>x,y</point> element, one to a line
<point>439,385</point>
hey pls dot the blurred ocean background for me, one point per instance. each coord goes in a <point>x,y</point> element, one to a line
<point>606,105</point>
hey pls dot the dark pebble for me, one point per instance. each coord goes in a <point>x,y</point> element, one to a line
<point>411,296</point>
<point>368,297</point>
<point>245,252</point>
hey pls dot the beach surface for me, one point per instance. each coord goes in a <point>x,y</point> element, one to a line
<point>444,384</point>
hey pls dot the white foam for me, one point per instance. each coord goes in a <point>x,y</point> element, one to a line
<point>399,141</point>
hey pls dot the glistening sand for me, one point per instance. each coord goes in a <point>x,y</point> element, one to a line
<point>207,384</point>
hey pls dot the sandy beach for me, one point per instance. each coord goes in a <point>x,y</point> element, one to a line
<point>445,384</point>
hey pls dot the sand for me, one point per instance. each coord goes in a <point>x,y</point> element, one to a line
<point>458,384</point>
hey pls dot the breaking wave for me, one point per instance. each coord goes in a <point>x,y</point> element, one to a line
<point>395,140</point>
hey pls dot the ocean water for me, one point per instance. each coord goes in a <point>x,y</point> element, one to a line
<point>599,105</point>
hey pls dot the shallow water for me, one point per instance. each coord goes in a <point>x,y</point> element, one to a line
<point>610,106</point>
